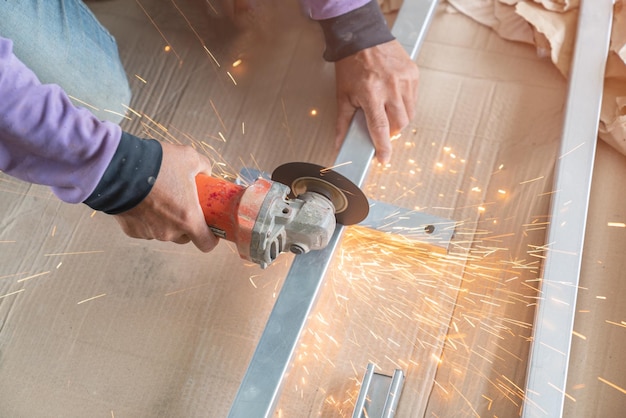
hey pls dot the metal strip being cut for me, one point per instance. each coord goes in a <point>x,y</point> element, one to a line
<point>260,389</point>
<point>415,225</point>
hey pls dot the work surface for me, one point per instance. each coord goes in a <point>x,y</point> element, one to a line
<point>94,324</point>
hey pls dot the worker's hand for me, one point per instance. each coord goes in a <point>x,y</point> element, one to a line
<point>171,211</point>
<point>382,80</point>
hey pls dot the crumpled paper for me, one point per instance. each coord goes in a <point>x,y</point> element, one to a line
<point>550,25</point>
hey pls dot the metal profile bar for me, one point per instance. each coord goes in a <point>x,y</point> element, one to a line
<point>260,388</point>
<point>379,394</point>
<point>359,406</point>
<point>395,389</point>
<point>554,318</point>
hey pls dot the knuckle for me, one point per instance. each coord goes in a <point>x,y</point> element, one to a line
<point>379,121</point>
<point>168,236</point>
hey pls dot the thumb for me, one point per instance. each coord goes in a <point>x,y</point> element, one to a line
<point>200,233</point>
<point>203,165</point>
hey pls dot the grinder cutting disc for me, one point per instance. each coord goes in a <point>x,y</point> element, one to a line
<point>351,205</point>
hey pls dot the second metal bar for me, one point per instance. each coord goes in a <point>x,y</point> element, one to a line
<point>554,320</point>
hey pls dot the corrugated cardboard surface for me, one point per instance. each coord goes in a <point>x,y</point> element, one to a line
<point>596,379</point>
<point>95,324</point>
<point>480,152</point>
<point>170,330</point>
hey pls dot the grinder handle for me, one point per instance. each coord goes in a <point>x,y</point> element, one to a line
<point>219,200</point>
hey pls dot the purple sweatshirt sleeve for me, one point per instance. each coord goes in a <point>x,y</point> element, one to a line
<point>44,138</point>
<point>326,9</point>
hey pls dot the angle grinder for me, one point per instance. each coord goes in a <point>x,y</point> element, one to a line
<point>296,211</point>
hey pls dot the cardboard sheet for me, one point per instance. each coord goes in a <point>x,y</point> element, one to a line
<point>481,152</point>
<point>96,324</point>
<point>596,379</point>
<point>93,323</point>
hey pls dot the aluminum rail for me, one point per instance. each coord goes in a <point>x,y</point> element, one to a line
<point>260,388</point>
<point>554,318</point>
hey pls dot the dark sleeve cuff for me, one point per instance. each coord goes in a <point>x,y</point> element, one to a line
<point>129,177</point>
<point>354,31</point>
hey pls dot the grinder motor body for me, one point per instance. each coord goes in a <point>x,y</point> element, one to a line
<point>267,217</point>
<point>262,221</point>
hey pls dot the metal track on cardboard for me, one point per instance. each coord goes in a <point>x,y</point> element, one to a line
<point>260,389</point>
<point>554,319</point>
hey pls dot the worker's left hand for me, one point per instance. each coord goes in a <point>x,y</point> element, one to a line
<point>381,80</point>
<point>171,211</point>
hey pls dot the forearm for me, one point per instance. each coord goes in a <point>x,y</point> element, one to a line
<point>129,177</point>
<point>349,26</point>
<point>373,72</point>
<point>44,138</point>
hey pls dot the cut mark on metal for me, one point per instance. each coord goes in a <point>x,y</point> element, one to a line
<point>379,394</point>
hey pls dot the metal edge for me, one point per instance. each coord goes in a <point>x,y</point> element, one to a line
<point>365,387</point>
<point>393,396</point>
<point>554,318</point>
<point>262,383</point>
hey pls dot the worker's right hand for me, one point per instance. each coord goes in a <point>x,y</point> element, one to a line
<point>171,211</point>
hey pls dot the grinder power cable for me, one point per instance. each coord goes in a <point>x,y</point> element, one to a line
<point>296,211</point>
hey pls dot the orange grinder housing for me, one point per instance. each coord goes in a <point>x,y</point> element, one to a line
<point>262,221</point>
